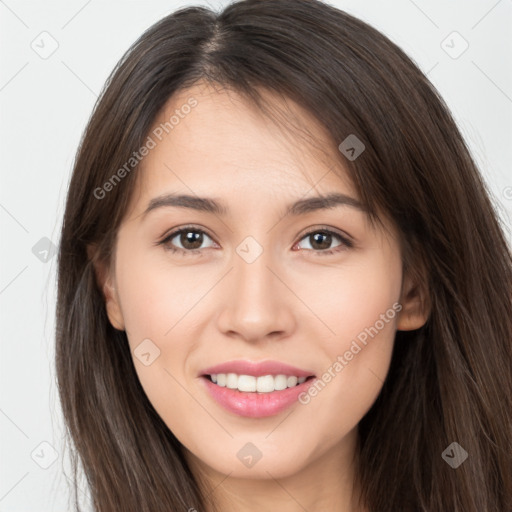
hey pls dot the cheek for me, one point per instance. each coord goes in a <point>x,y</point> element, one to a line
<point>158,302</point>
<point>152,298</point>
<point>361,308</point>
<point>358,296</point>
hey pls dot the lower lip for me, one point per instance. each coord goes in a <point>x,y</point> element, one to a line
<point>255,405</point>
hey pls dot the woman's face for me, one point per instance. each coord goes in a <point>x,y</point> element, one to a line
<point>253,281</point>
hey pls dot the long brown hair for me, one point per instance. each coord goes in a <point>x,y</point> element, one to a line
<point>450,381</point>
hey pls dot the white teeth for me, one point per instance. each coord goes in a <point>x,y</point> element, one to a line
<point>246,383</point>
<point>291,381</point>
<point>280,382</point>
<point>232,380</point>
<point>263,384</point>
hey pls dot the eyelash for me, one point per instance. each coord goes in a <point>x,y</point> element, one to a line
<point>345,242</point>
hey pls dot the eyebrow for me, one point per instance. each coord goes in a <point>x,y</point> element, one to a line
<point>214,206</point>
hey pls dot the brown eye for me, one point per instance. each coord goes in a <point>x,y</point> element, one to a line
<point>320,241</point>
<point>190,239</point>
<point>185,240</point>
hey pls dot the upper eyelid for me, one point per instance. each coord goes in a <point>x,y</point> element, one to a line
<point>173,232</point>
<point>334,231</point>
<point>345,237</point>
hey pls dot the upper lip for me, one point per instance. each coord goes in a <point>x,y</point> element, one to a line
<point>256,369</point>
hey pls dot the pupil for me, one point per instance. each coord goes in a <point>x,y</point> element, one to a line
<point>194,237</point>
<point>191,237</point>
<point>326,238</point>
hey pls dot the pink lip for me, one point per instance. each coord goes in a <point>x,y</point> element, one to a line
<point>255,405</point>
<point>258,369</point>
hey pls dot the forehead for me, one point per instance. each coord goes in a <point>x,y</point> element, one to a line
<point>212,141</point>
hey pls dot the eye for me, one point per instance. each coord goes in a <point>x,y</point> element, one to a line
<point>190,238</point>
<point>322,239</point>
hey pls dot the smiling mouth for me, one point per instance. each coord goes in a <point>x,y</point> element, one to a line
<point>252,384</point>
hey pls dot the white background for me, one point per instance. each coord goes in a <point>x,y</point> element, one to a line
<point>44,106</point>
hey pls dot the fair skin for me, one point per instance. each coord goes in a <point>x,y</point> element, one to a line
<point>292,304</point>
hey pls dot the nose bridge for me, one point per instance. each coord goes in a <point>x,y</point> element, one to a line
<point>257,303</point>
<point>251,271</point>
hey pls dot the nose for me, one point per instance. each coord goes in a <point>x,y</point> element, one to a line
<point>257,303</point>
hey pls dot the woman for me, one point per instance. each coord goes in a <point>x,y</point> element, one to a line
<point>282,283</point>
